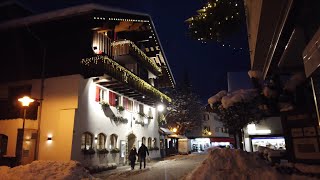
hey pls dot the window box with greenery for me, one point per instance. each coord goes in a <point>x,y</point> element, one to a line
<point>141,114</point>
<point>115,150</point>
<point>120,108</point>
<point>89,151</point>
<point>102,151</point>
<point>104,105</point>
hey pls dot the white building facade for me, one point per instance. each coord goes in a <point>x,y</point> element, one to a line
<point>97,107</point>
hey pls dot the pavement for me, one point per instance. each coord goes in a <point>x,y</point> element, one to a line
<point>172,167</point>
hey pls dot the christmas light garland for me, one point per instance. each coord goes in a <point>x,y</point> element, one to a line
<point>139,52</point>
<point>125,75</point>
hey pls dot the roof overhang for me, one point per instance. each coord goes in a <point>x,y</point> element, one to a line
<point>265,22</point>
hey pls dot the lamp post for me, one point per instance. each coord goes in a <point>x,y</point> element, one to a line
<point>25,102</point>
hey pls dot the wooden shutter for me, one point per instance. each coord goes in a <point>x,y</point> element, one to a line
<point>112,98</point>
<point>97,94</point>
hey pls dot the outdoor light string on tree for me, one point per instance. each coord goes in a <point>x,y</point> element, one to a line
<point>216,21</point>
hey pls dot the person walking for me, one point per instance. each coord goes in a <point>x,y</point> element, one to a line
<point>142,152</point>
<point>132,157</point>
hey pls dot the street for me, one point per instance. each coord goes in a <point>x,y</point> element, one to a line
<point>175,167</point>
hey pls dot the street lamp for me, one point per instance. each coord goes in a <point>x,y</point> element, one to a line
<point>160,107</point>
<point>174,130</point>
<point>25,101</point>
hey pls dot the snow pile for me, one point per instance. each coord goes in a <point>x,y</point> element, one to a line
<point>305,168</point>
<point>238,96</point>
<point>217,97</point>
<point>66,170</point>
<point>255,74</point>
<point>233,164</point>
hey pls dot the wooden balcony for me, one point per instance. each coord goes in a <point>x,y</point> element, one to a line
<point>126,50</point>
<point>118,78</point>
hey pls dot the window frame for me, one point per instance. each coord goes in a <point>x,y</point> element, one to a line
<point>87,136</point>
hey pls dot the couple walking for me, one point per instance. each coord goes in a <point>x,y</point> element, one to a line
<point>142,153</point>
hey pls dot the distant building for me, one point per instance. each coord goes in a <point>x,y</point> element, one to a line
<point>210,133</point>
<point>95,73</point>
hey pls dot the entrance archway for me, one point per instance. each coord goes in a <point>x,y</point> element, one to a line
<point>131,141</point>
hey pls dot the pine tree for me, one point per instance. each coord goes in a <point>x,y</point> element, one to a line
<point>185,110</point>
<point>217,20</point>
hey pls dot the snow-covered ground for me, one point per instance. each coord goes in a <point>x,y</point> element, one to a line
<point>45,170</point>
<point>215,164</point>
<point>225,164</point>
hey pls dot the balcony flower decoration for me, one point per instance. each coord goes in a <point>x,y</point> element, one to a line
<point>120,108</point>
<point>142,114</point>
<point>104,104</point>
<point>115,150</point>
<point>121,73</point>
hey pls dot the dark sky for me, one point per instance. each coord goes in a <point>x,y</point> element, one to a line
<point>207,64</point>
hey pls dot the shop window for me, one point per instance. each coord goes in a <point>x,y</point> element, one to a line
<point>101,144</point>
<point>3,144</point>
<point>144,140</point>
<point>217,129</point>
<point>128,104</point>
<point>113,141</point>
<point>86,140</point>
<point>149,142</point>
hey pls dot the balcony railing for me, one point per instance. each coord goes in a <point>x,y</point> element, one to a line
<point>126,47</point>
<point>100,65</point>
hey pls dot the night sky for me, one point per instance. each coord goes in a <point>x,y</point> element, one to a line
<point>207,64</point>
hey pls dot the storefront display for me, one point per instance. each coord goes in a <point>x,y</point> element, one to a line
<point>276,143</point>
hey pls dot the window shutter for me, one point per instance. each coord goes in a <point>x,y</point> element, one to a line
<point>125,103</point>
<point>97,94</point>
<point>112,100</point>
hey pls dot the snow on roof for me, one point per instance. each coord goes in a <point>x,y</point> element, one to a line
<point>165,130</point>
<point>46,170</point>
<point>80,9</point>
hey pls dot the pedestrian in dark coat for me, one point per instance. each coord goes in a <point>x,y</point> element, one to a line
<point>132,157</point>
<point>143,151</point>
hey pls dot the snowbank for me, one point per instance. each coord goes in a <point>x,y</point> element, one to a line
<point>66,170</point>
<point>233,164</point>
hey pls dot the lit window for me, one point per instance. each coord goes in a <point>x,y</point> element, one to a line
<point>149,142</point>
<point>154,143</point>
<point>144,140</point>
<point>86,140</point>
<point>113,141</point>
<point>101,144</point>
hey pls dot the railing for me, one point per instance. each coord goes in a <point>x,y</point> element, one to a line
<point>126,47</point>
<point>102,64</point>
